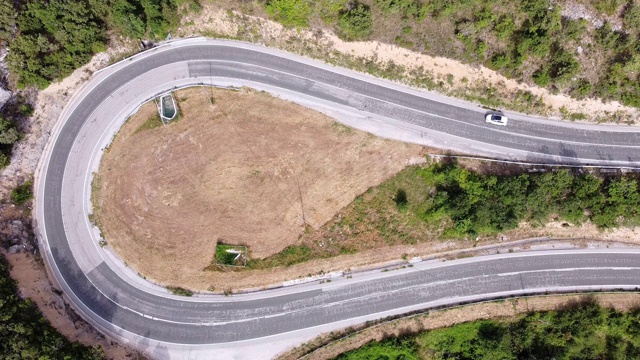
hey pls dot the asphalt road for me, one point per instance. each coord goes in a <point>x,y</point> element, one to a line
<point>116,300</point>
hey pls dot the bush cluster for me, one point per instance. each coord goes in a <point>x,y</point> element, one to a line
<point>22,193</point>
<point>55,37</point>
<point>8,136</point>
<point>475,204</point>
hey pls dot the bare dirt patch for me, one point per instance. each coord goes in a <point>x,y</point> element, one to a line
<point>450,317</point>
<point>251,170</point>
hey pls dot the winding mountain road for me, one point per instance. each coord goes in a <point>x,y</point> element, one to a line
<point>258,325</point>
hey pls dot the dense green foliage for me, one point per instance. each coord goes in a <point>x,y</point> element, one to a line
<point>584,331</point>
<point>135,18</point>
<point>7,20</point>
<point>355,22</point>
<point>26,334</point>
<point>56,37</point>
<point>484,204</point>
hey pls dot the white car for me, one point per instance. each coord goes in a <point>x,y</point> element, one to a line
<point>496,119</point>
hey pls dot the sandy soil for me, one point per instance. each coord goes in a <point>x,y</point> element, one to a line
<point>216,20</point>
<point>33,283</point>
<point>444,318</point>
<point>252,170</point>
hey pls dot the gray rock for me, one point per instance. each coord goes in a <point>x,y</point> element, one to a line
<point>5,95</point>
<point>15,249</point>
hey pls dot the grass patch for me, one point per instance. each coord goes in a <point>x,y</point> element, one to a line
<point>291,255</point>
<point>152,122</point>
<point>341,129</point>
<point>294,13</point>
<point>231,255</point>
<point>176,290</point>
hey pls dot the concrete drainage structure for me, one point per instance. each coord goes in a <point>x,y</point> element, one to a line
<point>167,108</point>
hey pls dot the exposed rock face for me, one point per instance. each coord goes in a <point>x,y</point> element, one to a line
<point>16,233</point>
<point>5,95</point>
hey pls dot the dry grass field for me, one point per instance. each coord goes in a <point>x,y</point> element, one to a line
<point>249,169</point>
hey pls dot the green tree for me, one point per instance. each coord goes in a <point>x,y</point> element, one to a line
<point>161,16</point>
<point>7,20</point>
<point>127,17</point>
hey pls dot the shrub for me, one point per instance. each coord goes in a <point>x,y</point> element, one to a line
<point>355,23</point>
<point>582,89</point>
<point>542,78</point>
<point>408,8</point>
<point>500,61</point>
<point>505,27</point>
<point>484,18</point>
<point>401,198</point>
<point>481,48</point>
<point>573,29</point>
<point>608,38</point>
<point>180,291</point>
<point>330,10</point>
<point>563,66</point>
<point>290,12</point>
<point>22,193</point>
<point>8,132</point>
<point>608,7</point>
